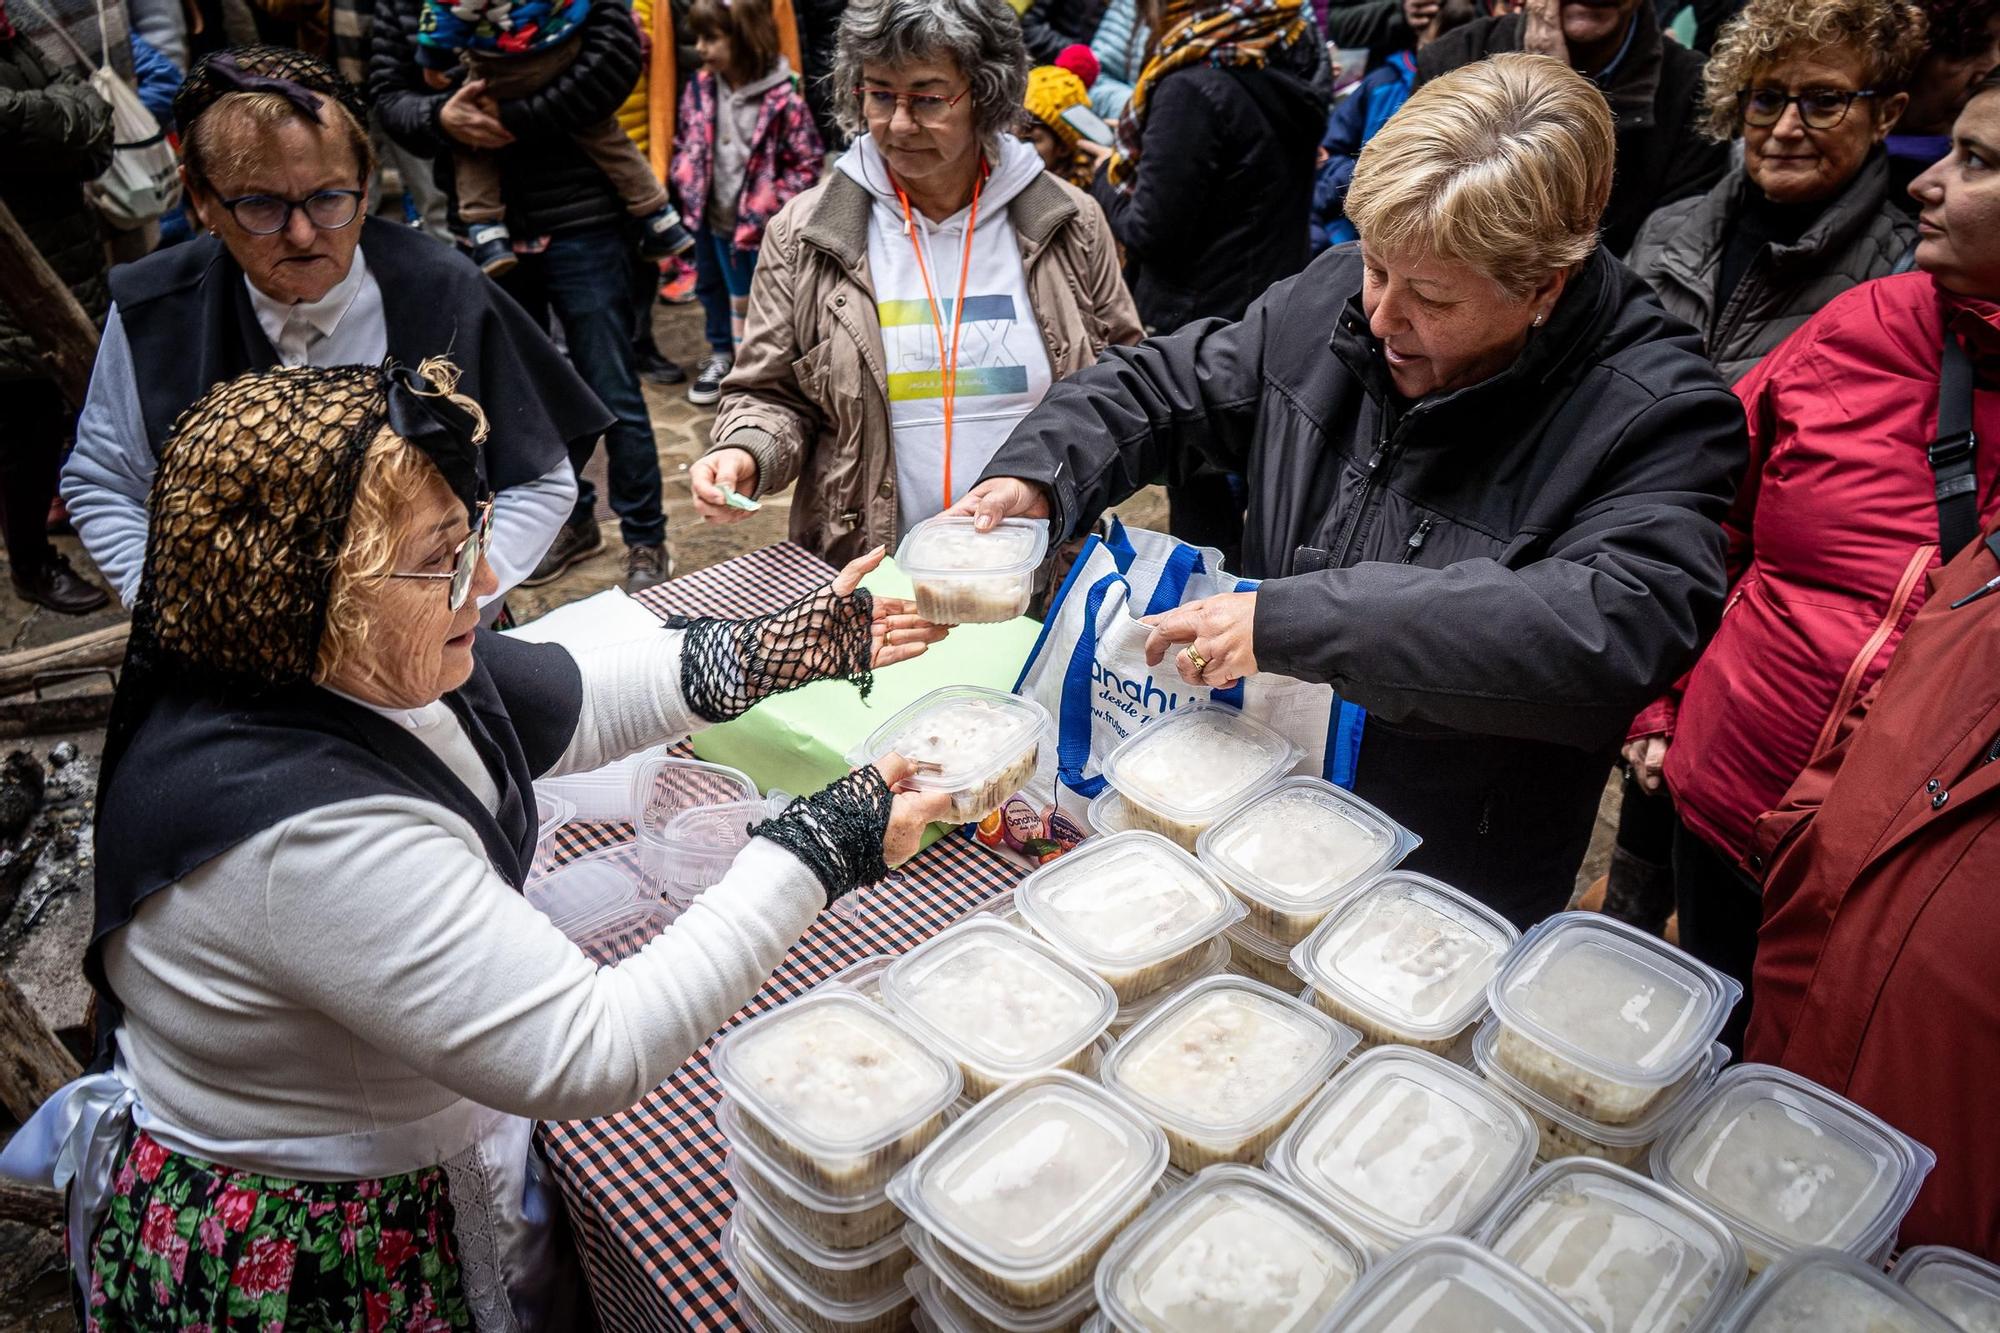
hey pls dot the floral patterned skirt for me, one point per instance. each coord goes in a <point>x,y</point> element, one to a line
<point>188,1245</point>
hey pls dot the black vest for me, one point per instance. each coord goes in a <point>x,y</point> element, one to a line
<point>188,318</point>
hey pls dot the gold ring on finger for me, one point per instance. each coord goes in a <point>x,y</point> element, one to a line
<point>1195,659</point>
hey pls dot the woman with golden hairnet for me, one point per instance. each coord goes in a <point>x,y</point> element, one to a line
<point>328,1018</point>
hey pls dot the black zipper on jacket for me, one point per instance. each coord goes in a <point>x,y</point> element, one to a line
<point>1415,544</point>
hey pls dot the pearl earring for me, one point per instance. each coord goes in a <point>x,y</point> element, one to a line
<point>1539,318</point>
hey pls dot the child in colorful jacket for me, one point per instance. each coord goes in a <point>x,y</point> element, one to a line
<point>514,48</point>
<point>744,145</point>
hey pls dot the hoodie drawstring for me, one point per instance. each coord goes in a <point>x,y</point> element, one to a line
<point>947,368</point>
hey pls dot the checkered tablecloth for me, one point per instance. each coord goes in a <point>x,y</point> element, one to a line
<point>645,1188</point>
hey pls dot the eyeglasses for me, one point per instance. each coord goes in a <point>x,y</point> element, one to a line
<point>1819,108</point>
<point>468,555</point>
<point>267,214</point>
<point>929,109</point>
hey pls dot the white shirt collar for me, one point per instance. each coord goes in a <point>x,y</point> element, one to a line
<point>410,719</point>
<point>324,314</point>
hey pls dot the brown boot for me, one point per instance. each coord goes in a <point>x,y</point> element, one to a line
<point>646,566</point>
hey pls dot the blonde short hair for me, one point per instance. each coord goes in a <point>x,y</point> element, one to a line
<point>1890,36</point>
<point>1504,165</point>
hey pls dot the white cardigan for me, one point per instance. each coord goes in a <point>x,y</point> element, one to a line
<point>360,966</point>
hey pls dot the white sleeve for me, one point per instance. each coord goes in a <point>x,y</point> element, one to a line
<point>631,699</point>
<point>526,519</point>
<point>110,472</point>
<point>382,918</point>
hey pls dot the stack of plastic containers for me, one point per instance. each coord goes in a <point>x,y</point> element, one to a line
<point>1962,1288</point>
<point>1823,1291</point>
<point>980,746</point>
<point>1188,769</point>
<point>1406,960</point>
<point>826,1098</point>
<point>1223,1066</point>
<point>1232,1248</point>
<point>1789,1165</point>
<point>1292,854</point>
<point>606,795</point>
<point>1012,1207</point>
<point>1447,1284</point>
<point>603,902</point>
<point>962,576</point>
<point>1625,1254</point>
<point>1403,1144</point>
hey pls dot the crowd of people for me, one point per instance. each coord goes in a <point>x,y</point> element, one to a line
<point>1594,388</point>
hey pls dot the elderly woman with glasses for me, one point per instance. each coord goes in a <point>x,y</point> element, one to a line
<point>908,311</point>
<point>328,1018</point>
<point>1813,87</point>
<point>292,272</point>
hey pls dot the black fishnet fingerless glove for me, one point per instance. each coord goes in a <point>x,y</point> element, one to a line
<point>727,666</point>
<point>838,832</point>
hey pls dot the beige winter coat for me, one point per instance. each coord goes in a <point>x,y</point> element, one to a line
<point>809,396</point>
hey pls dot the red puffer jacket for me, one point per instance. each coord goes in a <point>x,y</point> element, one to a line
<point>1829,541</point>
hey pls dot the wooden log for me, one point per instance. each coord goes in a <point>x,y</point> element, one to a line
<point>33,1064</point>
<point>99,648</point>
<point>30,1205</point>
<point>44,306</point>
<point>38,717</point>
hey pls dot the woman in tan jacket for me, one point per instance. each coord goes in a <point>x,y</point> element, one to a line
<point>910,310</point>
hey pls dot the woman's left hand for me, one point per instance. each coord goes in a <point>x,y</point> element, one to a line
<point>898,632</point>
<point>1216,638</point>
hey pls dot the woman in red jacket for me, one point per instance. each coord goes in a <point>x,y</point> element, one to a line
<point>1837,523</point>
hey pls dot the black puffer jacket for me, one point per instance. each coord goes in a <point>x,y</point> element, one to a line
<point>1502,575</point>
<point>549,183</point>
<point>1220,208</point>
<point>55,133</point>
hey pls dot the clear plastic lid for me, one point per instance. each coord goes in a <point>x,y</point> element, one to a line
<point>597,897</point>
<point>1611,999</point>
<point>1198,761</point>
<point>965,734</point>
<point>668,786</point>
<point>602,795</point>
<point>998,999</point>
<point>833,1074</point>
<point>1403,1144</point>
<point>1108,815</point>
<point>804,1248</point>
<point>944,1292</point>
<point>1224,1057</point>
<point>1000,907</point>
<point>1446,1284</point>
<point>1789,1164</point>
<point>1633,1134</point>
<point>1299,846</point>
<point>1408,953</point>
<point>863,976</point>
<point>1034,1176</point>
<point>1126,901</point>
<point>1627,1255</point>
<point>551,813</point>
<point>1235,1250</point>
<point>728,1122</point>
<point>948,545</point>
<point>1961,1287</point>
<point>775,1291</point>
<point>1825,1291</point>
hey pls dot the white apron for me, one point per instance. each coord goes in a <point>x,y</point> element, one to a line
<point>511,1257</point>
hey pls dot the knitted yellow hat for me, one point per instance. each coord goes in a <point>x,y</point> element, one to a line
<point>1052,91</point>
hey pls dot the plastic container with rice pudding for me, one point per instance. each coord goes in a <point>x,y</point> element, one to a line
<point>1403,1144</point>
<point>1293,852</point>
<point>1790,1165</point>
<point>1233,1251</point>
<point>1107,814</point>
<point>1405,960</point>
<point>783,1304</point>
<point>1213,962</point>
<point>1223,1067</point>
<point>1824,1291</point>
<point>1567,1134</point>
<point>1446,1284</point>
<point>1191,767</point>
<point>840,1276</point>
<point>1136,910</point>
<point>962,576</point>
<point>836,1089</point>
<point>835,1221</point>
<point>1961,1287</point>
<point>960,1305</point>
<point>1000,1002</point>
<point>1626,1254</point>
<point>977,744</point>
<point>1260,957</point>
<point>1029,1189</point>
<point>863,976</point>
<point>1602,1018</point>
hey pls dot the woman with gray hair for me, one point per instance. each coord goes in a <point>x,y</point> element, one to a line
<point>913,308</point>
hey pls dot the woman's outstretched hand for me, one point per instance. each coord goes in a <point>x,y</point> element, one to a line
<point>913,812</point>
<point>1001,497</point>
<point>1216,639</point>
<point>897,633</point>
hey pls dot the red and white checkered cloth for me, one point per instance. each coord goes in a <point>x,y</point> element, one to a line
<point>645,1188</point>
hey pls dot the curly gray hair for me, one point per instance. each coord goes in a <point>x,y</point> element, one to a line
<point>982,36</point>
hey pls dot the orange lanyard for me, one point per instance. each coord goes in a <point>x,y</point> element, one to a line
<point>947,367</point>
